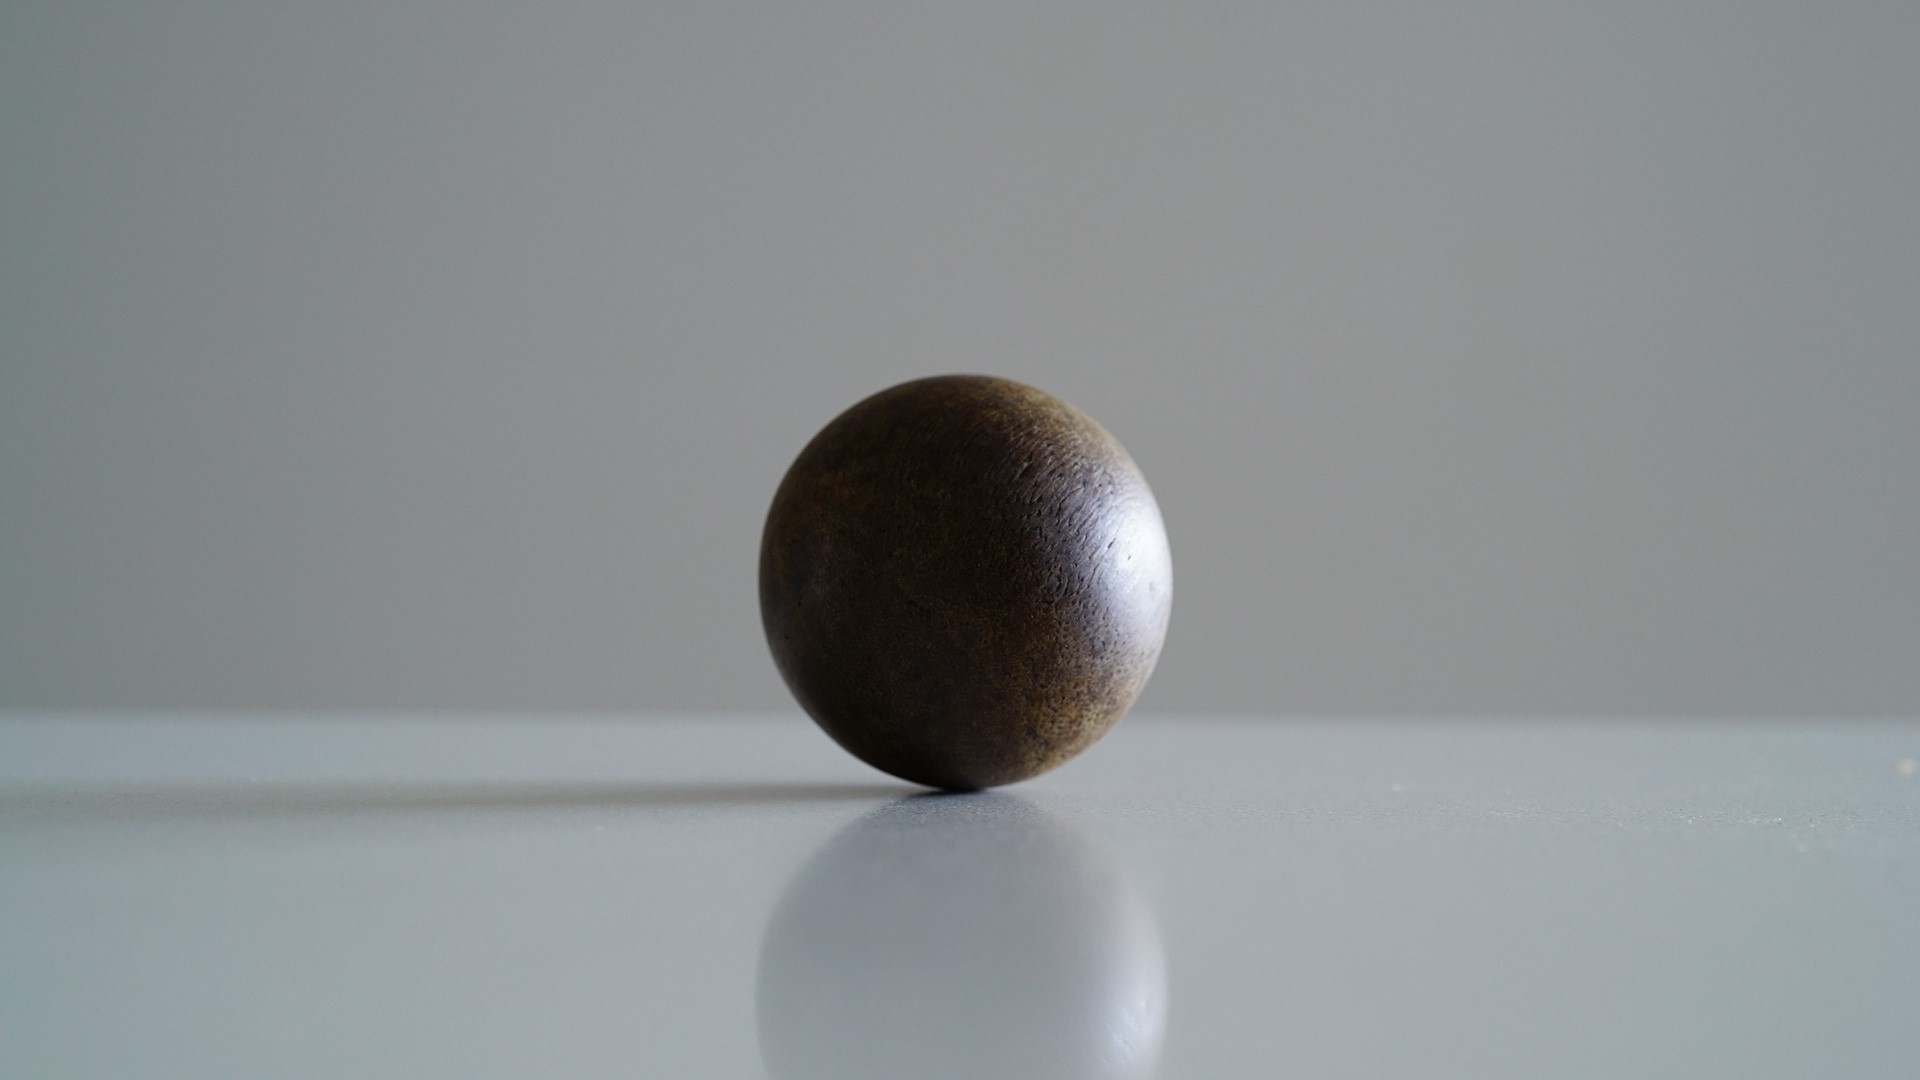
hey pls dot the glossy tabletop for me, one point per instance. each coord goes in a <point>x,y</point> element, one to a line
<point>731,896</point>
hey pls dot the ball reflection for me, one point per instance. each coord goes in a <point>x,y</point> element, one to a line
<point>961,936</point>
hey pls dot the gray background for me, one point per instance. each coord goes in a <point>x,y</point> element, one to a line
<point>1484,357</point>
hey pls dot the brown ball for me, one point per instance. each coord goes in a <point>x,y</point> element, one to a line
<point>965,581</point>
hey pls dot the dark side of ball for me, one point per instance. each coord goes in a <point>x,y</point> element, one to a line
<point>965,581</point>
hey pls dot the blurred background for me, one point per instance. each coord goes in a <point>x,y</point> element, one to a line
<point>1484,357</point>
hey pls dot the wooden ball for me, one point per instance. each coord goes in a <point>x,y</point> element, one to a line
<point>965,581</point>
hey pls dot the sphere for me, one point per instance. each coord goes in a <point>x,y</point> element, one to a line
<point>974,936</point>
<point>965,581</point>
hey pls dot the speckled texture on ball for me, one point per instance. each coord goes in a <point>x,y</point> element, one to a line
<point>965,581</point>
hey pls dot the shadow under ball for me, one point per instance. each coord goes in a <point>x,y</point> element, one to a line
<point>965,581</point>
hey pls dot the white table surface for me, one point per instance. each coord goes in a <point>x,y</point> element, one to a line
<point>680,896</point>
